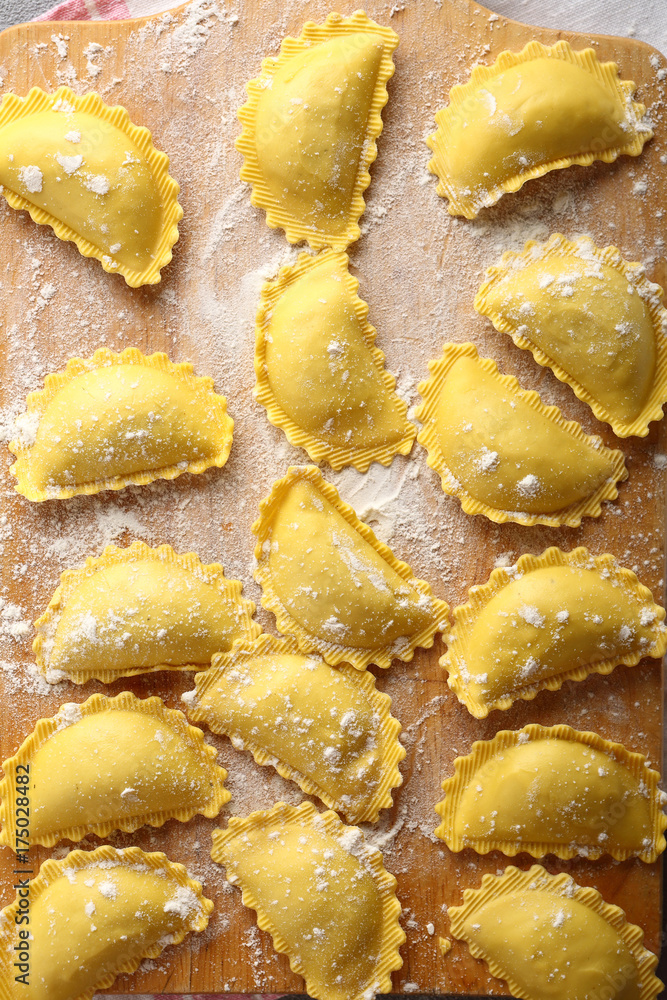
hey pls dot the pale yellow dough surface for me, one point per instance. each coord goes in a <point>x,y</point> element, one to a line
<point>111,764</point>
<point>136,610</point>
<point>99,913</point>
<point>319,375</point>
<point>551,939</point>
<point>556,948</point>
<point>553,791</point>
<point>334,584</point>
<point>321,892</point>
<point>119,419</point>
<point>82,167</point>
<point>531,112</point>
<point>326,728</point>
<point>310,127</point>
<point>331,584</point>
<point>68,191</point>
<point>555,617</point>
<point>593,318</point>
<point>504,453</point>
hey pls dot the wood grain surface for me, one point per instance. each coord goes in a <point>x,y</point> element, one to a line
<point>182,76</point>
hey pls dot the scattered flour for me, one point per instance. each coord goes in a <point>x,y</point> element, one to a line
<point>31,177</point>
<point>203,311</point>
<point>97,183</point>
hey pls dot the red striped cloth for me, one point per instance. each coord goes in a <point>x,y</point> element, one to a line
<point>88,10</point>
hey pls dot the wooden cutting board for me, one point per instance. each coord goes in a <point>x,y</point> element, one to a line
<point>182,75</point>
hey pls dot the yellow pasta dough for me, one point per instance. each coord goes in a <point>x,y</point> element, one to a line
<point>84,169</point>
<point>593,318</point>
<point>321,892</point>
<point>135,610</point>
<point>332,584</point>
<point>110,764</point>
<point>327,728</point>
<point>551,939</point>
<point>505,454</point>
<point>92,916</point>
<point>560,616</point>
<point>310,127</point>
<point>115,420</point>
<point>553,790</point>
<point>319,374</point>
<point>541,109</point>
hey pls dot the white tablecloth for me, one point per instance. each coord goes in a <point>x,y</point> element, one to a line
<point>644,19</point>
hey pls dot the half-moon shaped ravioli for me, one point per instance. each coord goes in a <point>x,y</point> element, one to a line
<point>553,791</point>
<point>94,915</point>
<point>137,610</point>
<point>327,728</point>
<point>556,617</point>
<point>321,892</point>
<point>110,764</point>
<point>84,169</point>
<point>551,939</point>
<point>533,111</point>
<point>591,317</point>
<point>505,454</point>
<point>310,127</point>
<point>118,419</point>
<point>332,584</point>
<point>319,374</point>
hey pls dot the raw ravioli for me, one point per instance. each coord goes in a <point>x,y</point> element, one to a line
<point>321,892</point>
<point>310,127</point>
<point>505,454</point>
<point>541,109</point>
<point>118,419</point>
<point>136,610</point>
<point>319,374</point>
<point>94,915</point>
<point>553,790</point>
<point>332,584</point>
<point>551,618</point>
<point>590,316</point>
<point>84,169</point>
<point>551,939</point>
<point>110,764</point>
<point>327,728</point>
